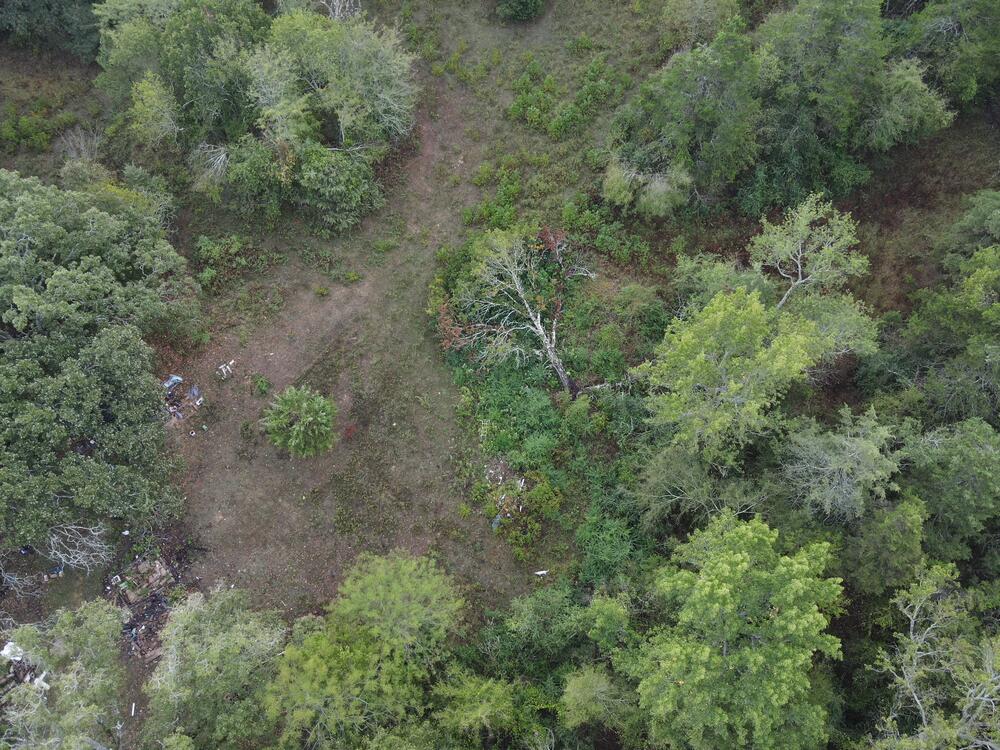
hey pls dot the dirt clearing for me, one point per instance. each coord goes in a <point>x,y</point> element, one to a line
<point>286,529</point>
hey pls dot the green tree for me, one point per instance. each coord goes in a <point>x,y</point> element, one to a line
<point>218,656</point>
<point>959,40</point>
<point>951,338</point>
<point>887,551</point>
<point>830,94</point>
<point>690,131</point>
<point>301,422</point>
<point>732,667</point>
<point>810,248</point>
<point>840,473</point>
<point>365,666</point>
<point>943,673</point>
<point>77,701</point>
<point>905,109</point>
<point>718,374</point>
<point>41,24</point>
<point>977,227</point>
<point>953,470</point>
<point>83,276</point>
<point>201,49</point>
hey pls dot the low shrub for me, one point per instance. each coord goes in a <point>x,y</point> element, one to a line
<point>301,422</point>
<point>519,10</point>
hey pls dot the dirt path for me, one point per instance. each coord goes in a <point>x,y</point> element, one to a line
<point>286,529</point>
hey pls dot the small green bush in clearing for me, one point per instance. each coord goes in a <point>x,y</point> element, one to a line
<point>225,258</point>
<point>519,10</point>
<point>261,385</point>
<point>301,422</point>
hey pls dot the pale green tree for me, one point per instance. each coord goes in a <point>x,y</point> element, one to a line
<point>591,696</point>
<point>76,700</point>
<point>731,668</point>
<point>474,706</point>
<point>688,22</point>
<point>944,674</point>
<point>840,473</point>
<point>218,655</point>
<point>718,375</point>
<point>153,115</point>
<point>810,248</point>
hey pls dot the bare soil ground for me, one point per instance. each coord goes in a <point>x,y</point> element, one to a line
<point>287,529</point>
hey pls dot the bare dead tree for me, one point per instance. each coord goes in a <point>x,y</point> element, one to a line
<point>79,546</point>
<point>506,310</point>
<point>79,143</point>
<point>341,10</point>
<point>209,164</point>
<point>19,584</point>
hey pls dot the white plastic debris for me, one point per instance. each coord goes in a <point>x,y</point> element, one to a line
<point>12,652</point>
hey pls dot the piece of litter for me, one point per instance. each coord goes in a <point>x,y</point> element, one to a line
<point>125,533</point>
<point>541,573</point>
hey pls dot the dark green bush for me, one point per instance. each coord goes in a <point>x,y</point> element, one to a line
<point>338,187</point>
<point>606,544</point>
<point>224,258</point>
<point>301,422</point>
<point>254,179</point>
<point>519,10</point>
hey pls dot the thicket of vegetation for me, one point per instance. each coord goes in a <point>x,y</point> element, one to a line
<point>780,506</point>
<point>266,113</point>
<point>85,275</point>
<point>758,119</point>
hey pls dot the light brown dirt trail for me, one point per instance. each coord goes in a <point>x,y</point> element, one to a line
<point>287,529</point>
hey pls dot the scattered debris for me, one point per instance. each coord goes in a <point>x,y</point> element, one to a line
<point>142,589</point>
<point>180,402</point>
<point>20,671</point>
<point>541,573</point>
<point>225,370</point>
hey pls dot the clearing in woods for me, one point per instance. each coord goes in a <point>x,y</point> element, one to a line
<point>347,315</point>
<point>285,528</point>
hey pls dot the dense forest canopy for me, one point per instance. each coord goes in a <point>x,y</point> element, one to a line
<point>768,498</point>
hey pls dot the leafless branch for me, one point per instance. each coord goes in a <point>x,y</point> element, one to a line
<point>78,546</point>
